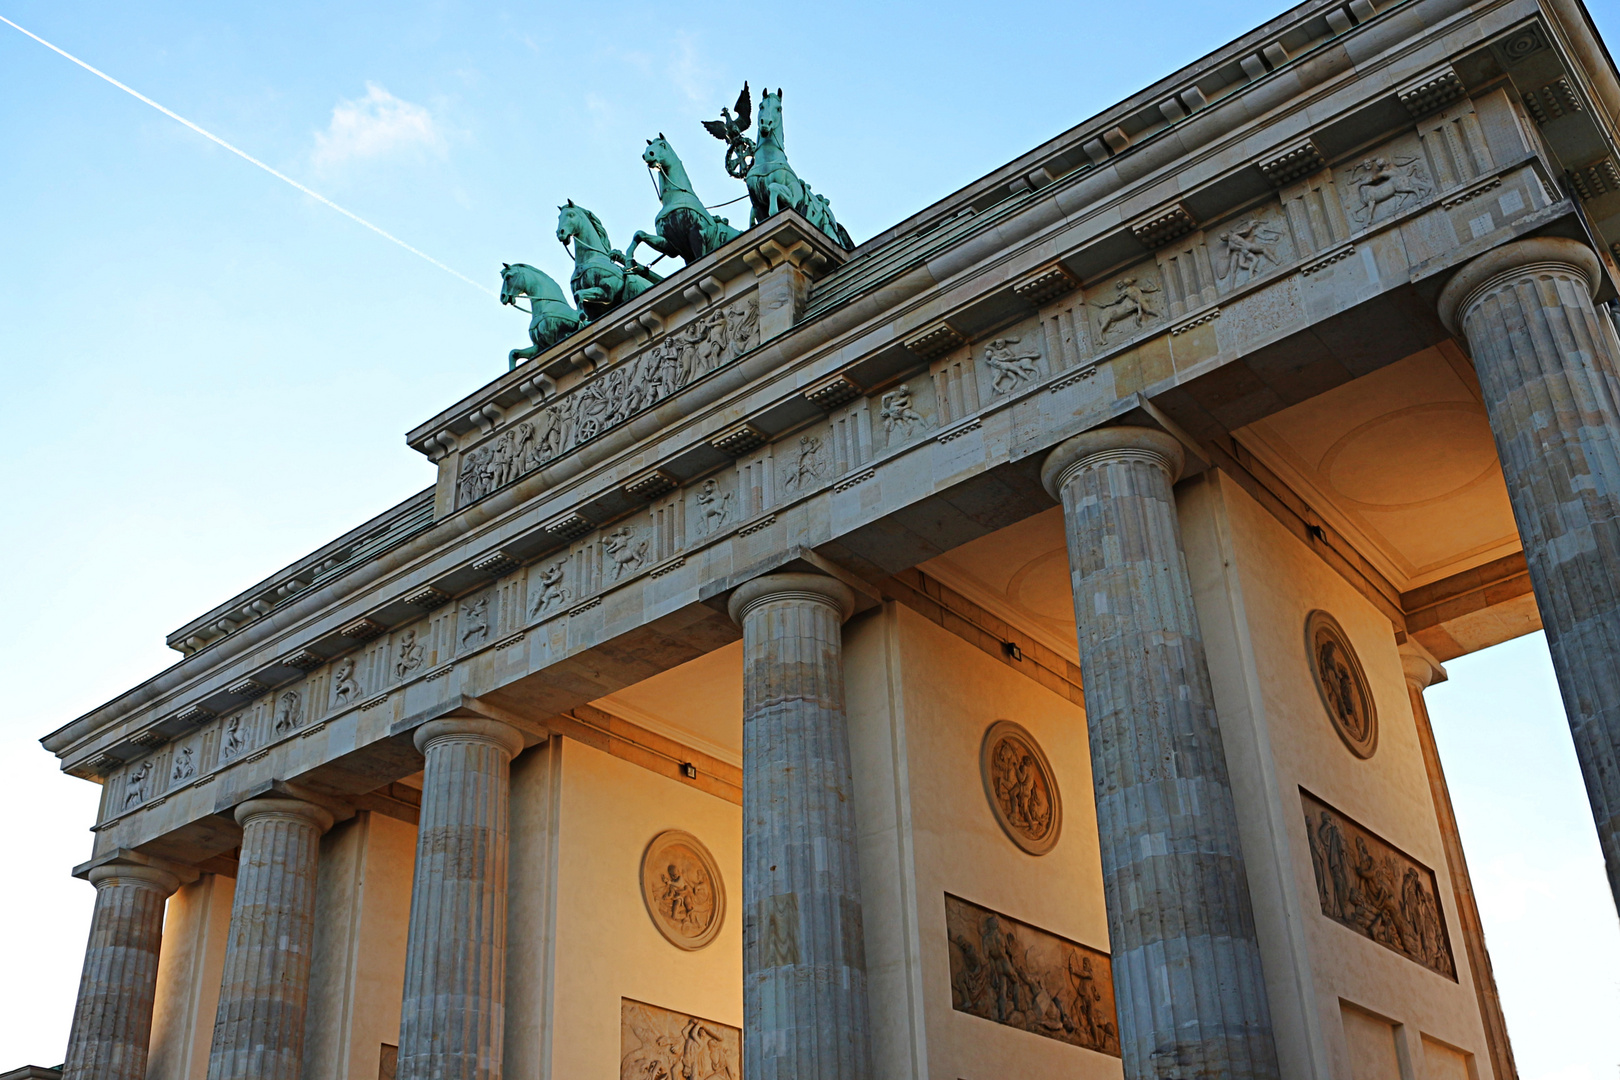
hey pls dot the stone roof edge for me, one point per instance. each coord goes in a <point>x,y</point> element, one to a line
<point>1093,126</point>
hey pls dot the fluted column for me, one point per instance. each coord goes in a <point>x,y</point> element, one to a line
<point>1548,373</point>
<point>453,1016</point>
<point>259,1025</point>
<point>1187,977</point>
<point>804,962</point>
<point>112,1021</point>
<point>1422,672</point>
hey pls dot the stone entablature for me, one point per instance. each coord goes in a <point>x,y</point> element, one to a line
<point>1023,345</point>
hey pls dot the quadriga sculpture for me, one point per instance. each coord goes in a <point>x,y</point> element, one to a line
<point>552,318</point>
<point>773,186</point>
<point>684,227</point>
<point>603,279</point>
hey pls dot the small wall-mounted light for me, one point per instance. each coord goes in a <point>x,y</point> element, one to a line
<point>689,770</point>
<point>1012,650</point>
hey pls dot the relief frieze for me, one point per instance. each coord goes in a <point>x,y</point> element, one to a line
<point>1367,884</point>
<point>662,1044</point>
<point>609,398</point>
<point>1012,973</point>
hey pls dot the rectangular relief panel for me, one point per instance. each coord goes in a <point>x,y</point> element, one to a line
<point>1025,977</point>
<point>1376,889</point>
<point>658,1042</point>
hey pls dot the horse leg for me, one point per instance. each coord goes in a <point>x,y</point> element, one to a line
<point>657,241</point>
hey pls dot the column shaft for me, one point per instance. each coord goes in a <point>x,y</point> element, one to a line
<point>804,963</point>
<point>453,1016</point>
<point>1552,393</point>
<point>1187,977</point>
<point>1421,670</point>
<point>112,1021</point>
<point>259,1025</point>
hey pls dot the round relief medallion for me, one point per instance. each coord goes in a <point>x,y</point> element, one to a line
<point>681,885</point>
<point>1022,791</point>
<point>1342,684</point>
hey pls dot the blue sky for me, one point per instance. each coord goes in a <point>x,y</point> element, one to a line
<point>205,373</point>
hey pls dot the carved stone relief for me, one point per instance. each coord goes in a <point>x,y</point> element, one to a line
<point>681,885</point>
<point>714,508</point>
<point>1375,889</point>
<point>661,1044</point>
<point>474,625</point>
<point>409,654</point>
<point>805,464</point>
<point>551,594</point>
<point>137,786</point>
<point>1343,685</point>
<point>625,551</point>
<point>185,764</point>
<point>1019,975</point>
<point>1011,363</point>
<point>1246,249</point>
<point>899,414</point>
<point>234,740</point>
<point>1022,791</point>
<point>1133,302</point>
<point>611,397</point>
<point>345,689</point>
<point>1386,185</point>
<point>289,712</point>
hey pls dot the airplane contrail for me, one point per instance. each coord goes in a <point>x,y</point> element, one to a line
<point>250,158</point>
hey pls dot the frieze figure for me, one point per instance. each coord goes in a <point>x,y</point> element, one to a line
<point>610,397</point>
<point>475,620</point>
<point>1375,889</point>
<point>345,690</point>
<point>807,466</point>
<point>1009,367</point>
<point>553,593</point>
<point>185,764</point>
<point>623,551</point>
<point>1246,250</point>
<point>289,712</point>
<point>1015,974</point>
<point>773,186</point>
<point>1130,302</point>
<point>603,278</point>
<point>408,654</point>
<point>232,742</point>
<point>1393,182</point>
<point>714,506</point>
<point>896,412</point>
<point>683,226</point>
<point>135,787</point>
<point>659,1044</point>
<point>551,317</point>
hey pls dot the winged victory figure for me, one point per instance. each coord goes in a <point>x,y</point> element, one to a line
<point>730,129</point>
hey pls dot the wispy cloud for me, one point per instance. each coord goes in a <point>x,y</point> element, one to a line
<point>374,126</point>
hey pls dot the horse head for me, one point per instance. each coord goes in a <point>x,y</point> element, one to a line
<point>577,221</point>
<point>770,115</point>
<point>517,279</point>
<point>659,154</point>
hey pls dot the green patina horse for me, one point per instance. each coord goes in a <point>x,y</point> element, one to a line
<point>603,279</point>
<point>552,319</point>
<point>773,186</point>
<point>685,227</point>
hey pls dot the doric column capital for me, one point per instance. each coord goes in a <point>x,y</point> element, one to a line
<point>1513,260</point>
<point>470,729</point>
<point>1110,444</point>
<point>815,588</point>
<point>1422,670</point>
<point>139,875</point>
<point>295,810</point>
